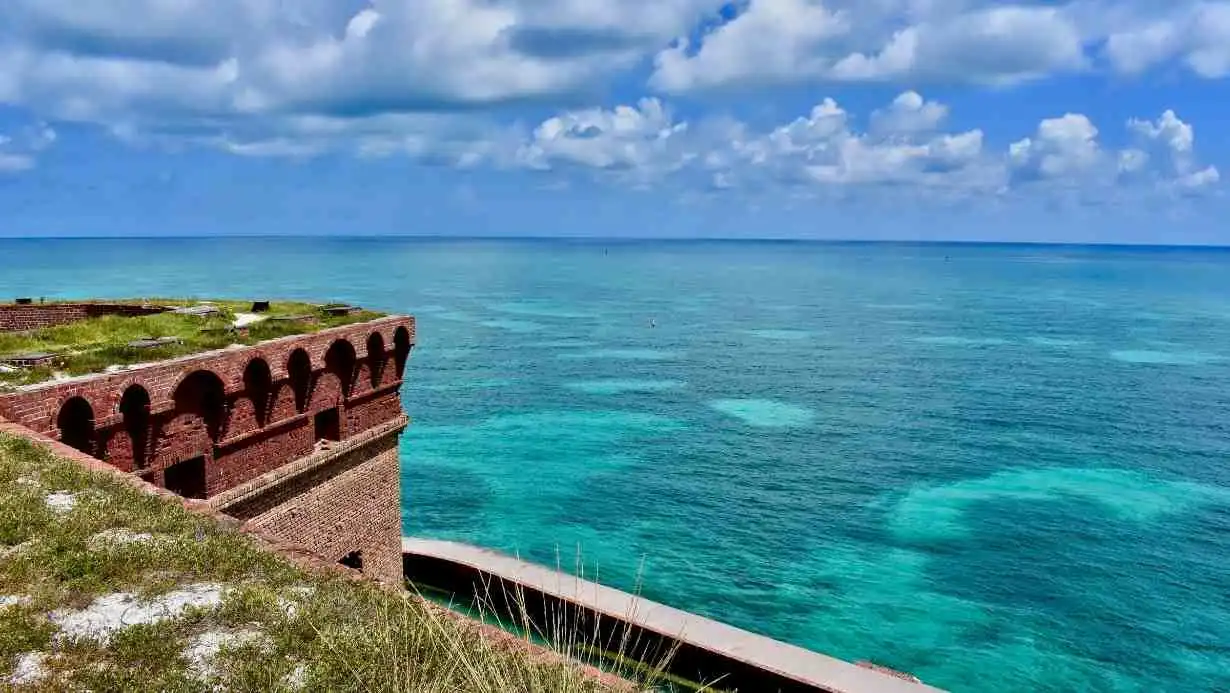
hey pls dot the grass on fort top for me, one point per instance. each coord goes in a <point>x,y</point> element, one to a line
<point>89,346</point>
<point>273,627</point>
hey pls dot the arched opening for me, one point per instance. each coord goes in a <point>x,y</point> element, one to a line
<point>203,394</point>
<point>258,385</point>
<point>401,349</point>
<point>134,408</point>
<point>76,424</point>
<point>340,360</point>
<point>299,367</point>
<point>375,358</point>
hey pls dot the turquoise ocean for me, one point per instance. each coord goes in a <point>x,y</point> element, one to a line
<point>1000,468</point>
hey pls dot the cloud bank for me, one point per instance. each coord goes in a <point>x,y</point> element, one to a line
<point>450,82</point>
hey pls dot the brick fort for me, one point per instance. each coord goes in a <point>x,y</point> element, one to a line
<point>296,436</point>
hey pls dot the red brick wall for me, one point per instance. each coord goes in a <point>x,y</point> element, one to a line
<point>351,503</point>
<point>371,410</point>
<point>238,448</point>
<point>37,315</point>
<point>261,453</point>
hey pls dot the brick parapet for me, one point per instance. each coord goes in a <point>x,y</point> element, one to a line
<point>16,317</point>
<point>331,455</point>
<point>36,405</point>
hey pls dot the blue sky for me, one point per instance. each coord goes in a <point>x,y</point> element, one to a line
<point>1079,121</point>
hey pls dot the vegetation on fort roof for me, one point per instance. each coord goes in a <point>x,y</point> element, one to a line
<point>83,556</point>
<point>90,346</point>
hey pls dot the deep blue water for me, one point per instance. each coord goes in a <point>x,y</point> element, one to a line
<point>997,467</point>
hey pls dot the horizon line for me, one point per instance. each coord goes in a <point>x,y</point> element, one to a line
<point>635,239</point>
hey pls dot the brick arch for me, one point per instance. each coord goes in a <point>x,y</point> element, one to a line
<point>341,360</point>
<point>276,358</point>
<point>56,403</point>
<point>115,393</point>
<point>258,389</point>
<point>401,349</point>
<point>75,424</point>
<point>376,359</point>
<point>299,376</point>
<point>202,393</point>
<point>130,444</point>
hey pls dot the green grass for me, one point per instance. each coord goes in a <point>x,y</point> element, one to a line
<point>89,346</point>
<point>310,631</point>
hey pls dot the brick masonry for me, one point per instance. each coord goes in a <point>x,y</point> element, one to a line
<point>348,503</point>
<point>208,424</point>
<point>14,317</point>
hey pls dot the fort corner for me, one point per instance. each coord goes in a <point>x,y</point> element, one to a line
<point>295,435</point>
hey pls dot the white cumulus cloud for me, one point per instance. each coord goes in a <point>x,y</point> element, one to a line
<point>825,148</point>
<point>1173,141</point>
<point>998,45</point>
<point>792,40</point>
<point>1067,150</point>
<point>1196,34</point>
<point>641,137</point>
<point>903,147</point>
<point>216,58</point>
<point>780,39</point>
<point>909,113</point>
<point>1062,147</point>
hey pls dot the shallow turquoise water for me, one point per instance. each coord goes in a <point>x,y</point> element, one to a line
<point>999,468</point>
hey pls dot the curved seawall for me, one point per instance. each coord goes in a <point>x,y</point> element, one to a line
<point>703,649</point>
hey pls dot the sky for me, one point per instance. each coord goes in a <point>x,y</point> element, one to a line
<point>1051,121</point>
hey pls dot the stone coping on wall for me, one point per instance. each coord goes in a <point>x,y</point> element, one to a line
<point>320,458</point>
<point>811,669</point>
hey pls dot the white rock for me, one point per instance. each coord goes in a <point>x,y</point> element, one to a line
<point>111,612</point>
<point>290,604</point>
<point>61,501</point>
<point>296,678</point>
<point>31,668</point>
<point>8,551</point>
<point>120,536</point>
<point>204,648</point>
<point>7,600</point>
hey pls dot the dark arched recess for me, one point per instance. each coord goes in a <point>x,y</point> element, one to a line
<point>76,424</point>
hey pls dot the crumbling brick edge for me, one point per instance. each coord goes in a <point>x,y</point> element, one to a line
<point>303,558</point>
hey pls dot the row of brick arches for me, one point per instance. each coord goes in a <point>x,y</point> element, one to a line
<point>201,413</point>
